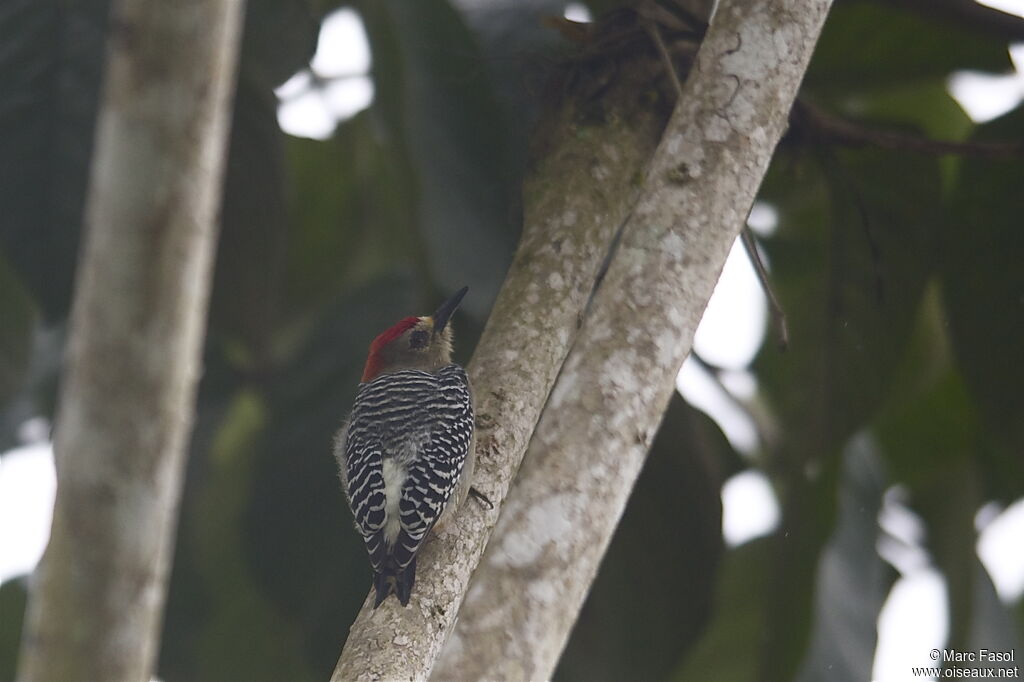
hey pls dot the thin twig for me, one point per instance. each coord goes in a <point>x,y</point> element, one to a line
<point>843,131</point>
<point>655,33</point>
<point>714,373</point>
<point>778,315</point>
<point>656,13</point>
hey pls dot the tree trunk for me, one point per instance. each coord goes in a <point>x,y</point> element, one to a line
<point>591,441</point>
<point>676,230</point>
<point>577,196</point>
<point>136,334</point>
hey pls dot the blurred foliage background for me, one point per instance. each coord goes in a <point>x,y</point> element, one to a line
<point>899,271</point>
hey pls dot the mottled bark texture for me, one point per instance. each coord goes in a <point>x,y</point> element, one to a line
<point>590,154</point>
<point>136,333</point>
<point>591,440</point>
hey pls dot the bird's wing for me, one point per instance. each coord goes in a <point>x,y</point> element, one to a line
<point>434,474</point>
<point>363,478</point>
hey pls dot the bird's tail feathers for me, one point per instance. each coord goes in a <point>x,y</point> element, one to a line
<point>392,578</point>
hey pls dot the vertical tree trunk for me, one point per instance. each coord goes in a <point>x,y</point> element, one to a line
<point>136,335</point>
<point>593,436</point>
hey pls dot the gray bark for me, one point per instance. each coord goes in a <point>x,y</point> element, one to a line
<point>576,199</point>
<point>136,334</point>
<point>593,436</point>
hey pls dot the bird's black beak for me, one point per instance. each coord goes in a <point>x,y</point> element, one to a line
<point>444,313</point>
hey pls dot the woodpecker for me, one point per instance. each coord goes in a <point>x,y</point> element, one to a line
<point>405,451</point>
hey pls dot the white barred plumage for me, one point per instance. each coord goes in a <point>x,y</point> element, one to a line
<point>403,450</point>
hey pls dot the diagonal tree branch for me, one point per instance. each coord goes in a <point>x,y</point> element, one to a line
<point>969,14</point>
<point>817,123</point>
<point>591,440</point>
<point>577,196</point>
<point>136,335</point>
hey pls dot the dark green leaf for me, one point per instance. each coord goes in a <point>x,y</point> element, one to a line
<point>992,622</point>
<point>930,444</point>
<point>12,610</point>
<point>51,60</point>
<point>926,105</point>
<point>934,432</point>
<point>983,287</point>
<point>352,206</point>
<point>849,263</point>
<point>252,255</point>
<point>937,445</point>
<point>251,252</point>
<point>18,315</point>
<point>190,606</point>
<point>238,602</point>
<point>730,648</point>
<point>808,517</point>
<point>37,396</point>
<point>522,54</point>
<point>220,576</point>
<point>852,581</point>
<point>433,92</point>
<point>867,46</point>
<point>280,39</point>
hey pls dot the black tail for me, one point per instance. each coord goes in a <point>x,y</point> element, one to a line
<point>394,579</point>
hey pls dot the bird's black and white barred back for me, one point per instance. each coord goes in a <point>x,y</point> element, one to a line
<point>401,456</point>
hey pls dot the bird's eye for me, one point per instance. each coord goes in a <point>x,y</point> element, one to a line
<point>418,339</point>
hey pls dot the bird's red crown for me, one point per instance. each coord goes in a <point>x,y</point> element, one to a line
<point>373,360</point>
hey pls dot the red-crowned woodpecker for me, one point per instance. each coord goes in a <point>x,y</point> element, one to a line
<point>405,452</point>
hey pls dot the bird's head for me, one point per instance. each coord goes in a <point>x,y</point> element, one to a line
<point>414,342</point>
